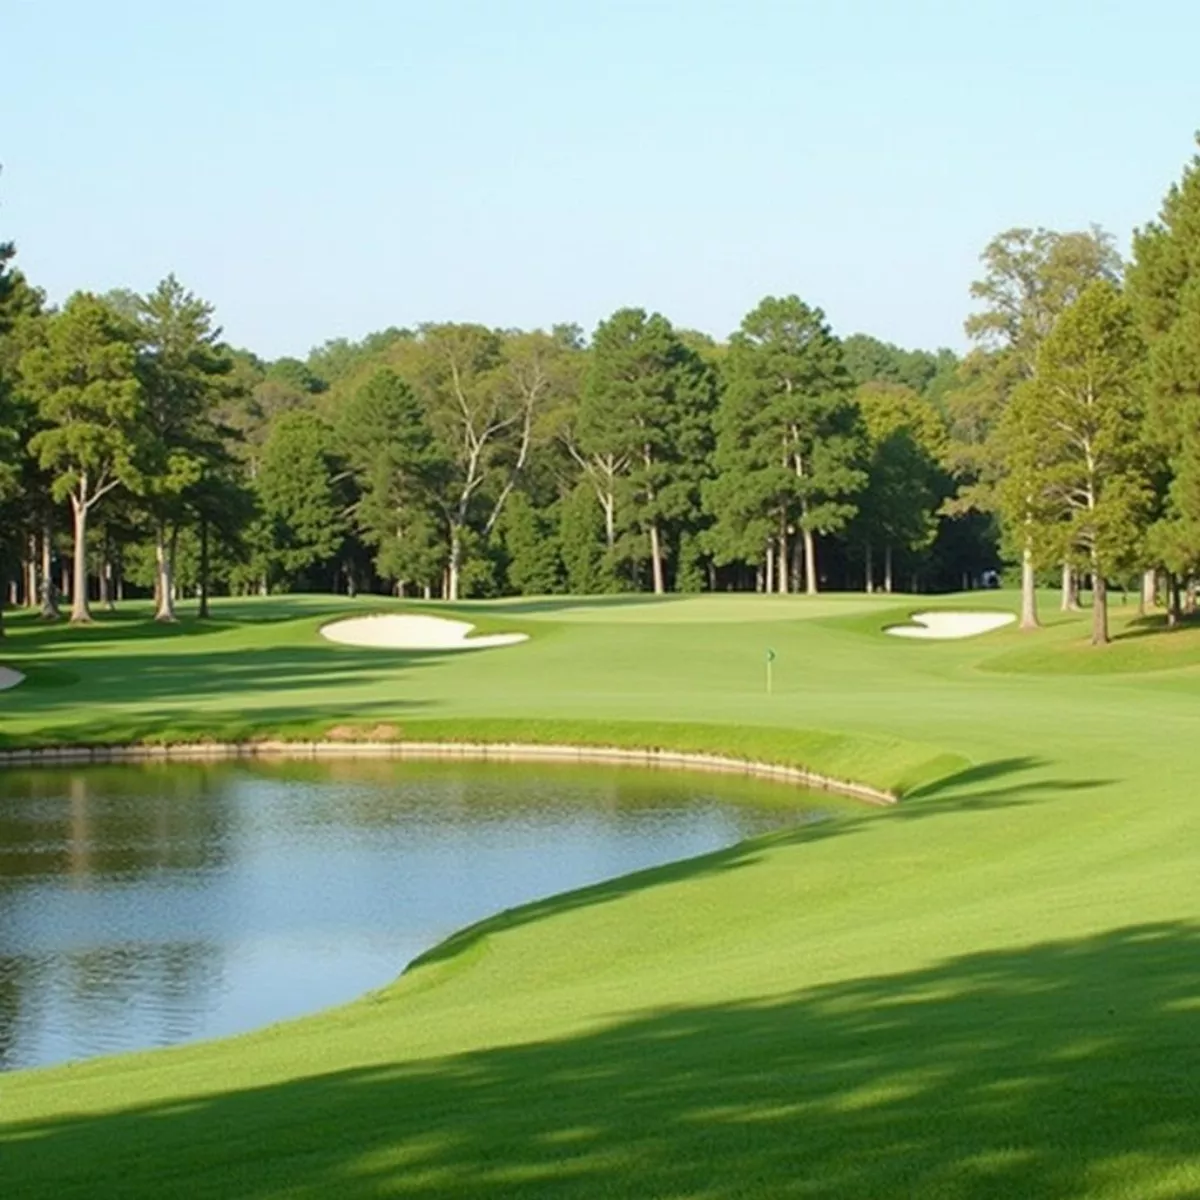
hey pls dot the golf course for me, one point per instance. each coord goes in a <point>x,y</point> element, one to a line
<point>990,988</point>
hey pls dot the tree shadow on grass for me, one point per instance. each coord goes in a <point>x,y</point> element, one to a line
<point>986,772</point>
<point>961,791</point>
<point>33,636</point>
<point>1058,1070</point>
<point>1154,625</point>
<point>142,695</point>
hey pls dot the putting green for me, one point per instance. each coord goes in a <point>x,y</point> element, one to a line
<point>991,990</point>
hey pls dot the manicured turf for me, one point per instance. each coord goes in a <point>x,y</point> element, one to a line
<point>991,990</point>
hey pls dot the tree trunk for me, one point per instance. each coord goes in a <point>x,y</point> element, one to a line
<point>204,567</point>
<point>164,572</point>
<point>106,599</point>
<point>869,570</point>
<point>49,594</point>
<point>781,565</point>
<point>1174,608</point>
<point>454,569</point>
<point>31,574</point>
<point>1189,598</point>
<point>811,586</point>
<point>1099,607</point>
<point>1069,598</point>
<point>887,570</point>
<point>81,614</point>
<point>769,570</point>
<point>656,559</point>
<point>609,503</point>
<point>1029,616</point>
<point>1149,589</point>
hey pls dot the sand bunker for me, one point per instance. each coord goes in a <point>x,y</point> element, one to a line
<point>943,625</point>
<point>396,631</point>
<point>9,678</point>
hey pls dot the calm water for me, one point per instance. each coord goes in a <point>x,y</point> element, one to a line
<point>142,906</point>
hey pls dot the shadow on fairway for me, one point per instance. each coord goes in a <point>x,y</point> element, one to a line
<point>997,768</point>
<point>124,692</point>
<point>34,636</point>
<point>1155,625</point>
<point>1054,1070</point>
<point>962,791</point>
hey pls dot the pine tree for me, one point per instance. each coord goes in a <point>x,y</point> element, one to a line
<point>789,442</point>
<point>181,366</point>
<point>400,472</point>
<point>644,430</point>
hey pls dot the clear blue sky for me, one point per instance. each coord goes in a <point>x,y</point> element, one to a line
<point>320,168</point>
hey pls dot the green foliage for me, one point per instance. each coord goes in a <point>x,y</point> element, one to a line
<point>531,547</point>
<point>399,470</point>
<point>1164,289</point>
<point>869,360</point>
<point>789,442</point>
<point>590,566</point>
<point>84,380</point>
<point>644,430</point>
<point>1076,464</point>
<point>906,440</point>
<point>296,492</point>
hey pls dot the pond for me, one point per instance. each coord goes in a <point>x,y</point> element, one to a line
<point>149,905</point>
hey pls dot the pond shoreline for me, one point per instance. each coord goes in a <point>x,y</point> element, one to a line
<point>431,750</point>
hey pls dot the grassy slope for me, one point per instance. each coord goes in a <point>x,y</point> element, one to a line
<point>992,991</point>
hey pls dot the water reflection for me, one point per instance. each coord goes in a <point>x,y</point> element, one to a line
<point>148,905</point>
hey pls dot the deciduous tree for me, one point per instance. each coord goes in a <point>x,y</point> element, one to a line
<point>1078,476</point>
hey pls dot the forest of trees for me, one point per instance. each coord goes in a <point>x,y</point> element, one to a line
<point>140,454</point>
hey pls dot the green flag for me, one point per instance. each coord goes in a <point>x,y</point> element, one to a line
<point>770,655</point>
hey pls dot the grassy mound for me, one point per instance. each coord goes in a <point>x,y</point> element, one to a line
<point>991,990</point>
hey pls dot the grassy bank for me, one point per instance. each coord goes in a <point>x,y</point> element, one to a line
<point>990,991</point>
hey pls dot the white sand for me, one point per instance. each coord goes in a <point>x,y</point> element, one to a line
<point>942,625</point>
<point>396,631</point>
<point>9,678</point>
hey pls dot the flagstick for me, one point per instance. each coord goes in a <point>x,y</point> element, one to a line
<point>769,677</point>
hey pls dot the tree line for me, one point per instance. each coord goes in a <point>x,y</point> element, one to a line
<point>142,454</point>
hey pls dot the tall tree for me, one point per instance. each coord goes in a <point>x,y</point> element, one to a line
<point>905,443</point>
<point>1164,289</point>
<point>298,496</point>
<point>1030,277</point>
<point>85,382</point>
<point>1072,435</point>
<point>182,364</point>
<point>644,429</point>
<point>400,472</point>
<point>789,442</point>
<point>483,395</point>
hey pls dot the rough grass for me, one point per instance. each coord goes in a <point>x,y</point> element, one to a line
<point>991,990</point>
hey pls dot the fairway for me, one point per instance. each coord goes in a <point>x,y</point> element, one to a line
<point>991,989</point>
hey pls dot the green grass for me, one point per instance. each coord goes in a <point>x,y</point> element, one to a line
<point>992,990</point>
